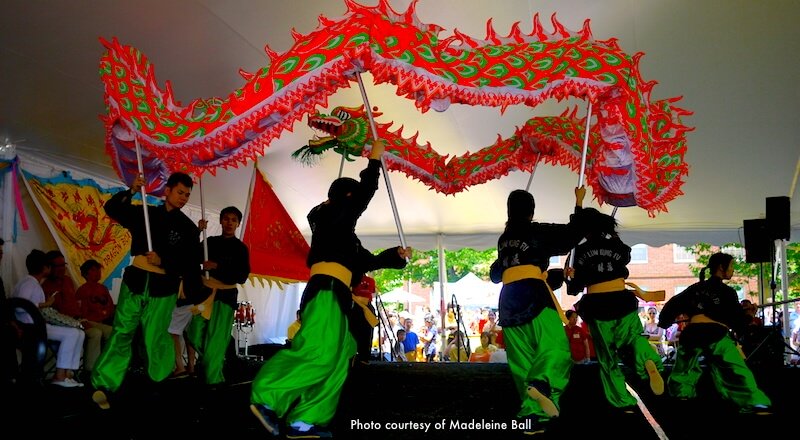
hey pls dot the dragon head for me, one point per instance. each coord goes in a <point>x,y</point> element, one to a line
<point>346,131</point>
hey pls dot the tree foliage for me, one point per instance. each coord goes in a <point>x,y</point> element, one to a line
<point>424,268</point>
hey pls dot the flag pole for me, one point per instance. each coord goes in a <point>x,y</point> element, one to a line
<point>533,171</point>
<point>144,195</point>
<point>383,163</point>
<point>203,217</point>
<point>583,161</point>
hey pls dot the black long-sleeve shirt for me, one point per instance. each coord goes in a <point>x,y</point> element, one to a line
<point>711,298</point>
<point>233,266</point>
<point>598,260</point>
<point>174,237</point>
<point>531,243</point>
<point>333,239</point>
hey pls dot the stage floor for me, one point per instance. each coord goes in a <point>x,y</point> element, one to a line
<point>398,401</point>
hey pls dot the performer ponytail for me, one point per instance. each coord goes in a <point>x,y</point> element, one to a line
<point>720,259</point>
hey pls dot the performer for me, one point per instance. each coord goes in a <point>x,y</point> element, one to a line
<point>228,264</point>
<point>149,285</point>
<point>532,320</point>
<point>610,310</point>
<point>302,384</point>
<point>713,309</point>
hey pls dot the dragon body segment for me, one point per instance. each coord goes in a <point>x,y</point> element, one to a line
<point>397,48</point>
<point>557,140</point>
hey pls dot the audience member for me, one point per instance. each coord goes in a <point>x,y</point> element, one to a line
<point>655,334</point>
<point>399,349</point>
<point>411,341</point>
<point>456,350</point>
<point>293,327</point>
<point>96,307</point>
<point>492,326</point>
<point>578,338</point>
<point>70,339</point>
<point>484,352</point>
<point>751,309</point>
<point>58,281</point>
<point>429,338</point>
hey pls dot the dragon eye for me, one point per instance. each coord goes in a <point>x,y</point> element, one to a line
<point>341,114</point>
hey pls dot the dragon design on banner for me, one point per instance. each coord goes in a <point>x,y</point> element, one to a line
<point>557,140</point>
<point>397,48</point>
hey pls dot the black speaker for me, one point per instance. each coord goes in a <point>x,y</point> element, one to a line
<point>757,244</point>
<point>778,218</point>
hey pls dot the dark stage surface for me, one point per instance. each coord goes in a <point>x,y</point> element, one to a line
<point>463,399</point>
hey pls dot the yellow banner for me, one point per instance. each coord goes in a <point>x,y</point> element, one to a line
<point>73,210</point>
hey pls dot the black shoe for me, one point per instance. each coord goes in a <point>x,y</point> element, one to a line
<point>268,418</point>
<point>314,432</point>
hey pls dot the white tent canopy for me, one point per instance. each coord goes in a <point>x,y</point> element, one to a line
<point>734,63</point>
<point>470,291</point>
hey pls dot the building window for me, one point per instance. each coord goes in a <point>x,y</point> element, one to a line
<point>639,254</point>
<point>682,255</point>
<point>736,251</point>
<point>679,289</point>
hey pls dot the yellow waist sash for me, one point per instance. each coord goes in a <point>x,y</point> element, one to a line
<point>362,302</point>
<point>701,318</point>
<point>205,307</point>
<point>517,273</point>
<point>141,262</point>
<point>335,270</point>
<point>618,284</point>
<point>344,275</point>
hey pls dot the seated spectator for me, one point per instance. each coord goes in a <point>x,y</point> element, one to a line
<point>96,307</point>
<point>492,326</point>
<point>293,327</point>
<point>484,352</point>
<point>70,339</point>
<point>456,350</point>
<point>751,309</point>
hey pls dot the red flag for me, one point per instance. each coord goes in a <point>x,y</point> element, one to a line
<point>278,250</point>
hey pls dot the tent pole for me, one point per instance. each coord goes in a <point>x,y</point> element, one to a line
<point>144,195</point>
<point>383,163</point>
<point>442,284</point>
<point>784,287</point>
<point>533,171</point>
<point>203,217</point>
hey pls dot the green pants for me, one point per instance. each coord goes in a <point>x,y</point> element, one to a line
<point>313,370</point>
<point>154,315</point>
<point>210,339</point>
<point>538,351</point>
<point>731,376</point>
<point>610,336</point>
